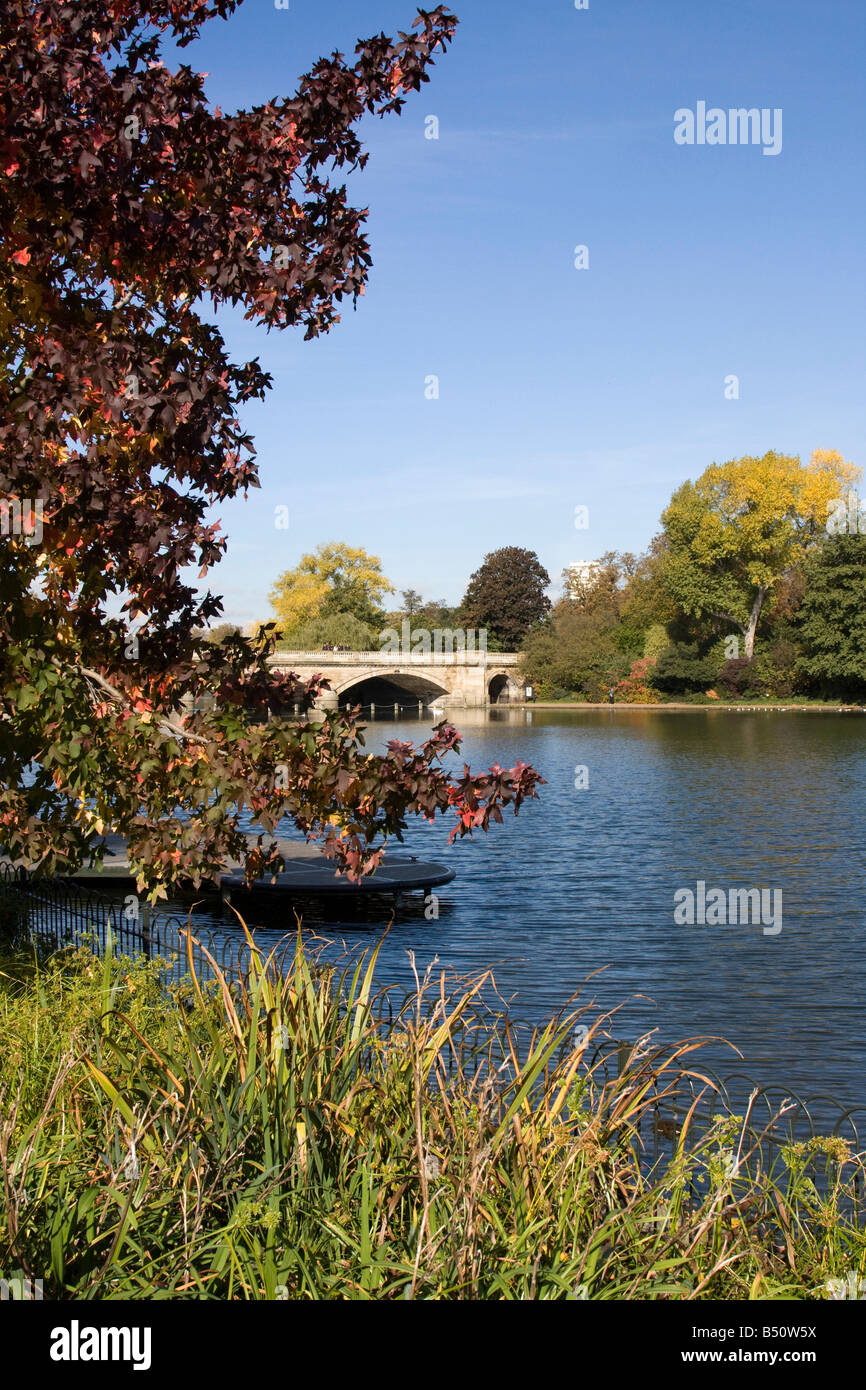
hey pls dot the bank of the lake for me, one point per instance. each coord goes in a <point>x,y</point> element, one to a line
<point>683,707</point>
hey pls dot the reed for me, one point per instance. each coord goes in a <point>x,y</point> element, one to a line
<point>277,1135</point>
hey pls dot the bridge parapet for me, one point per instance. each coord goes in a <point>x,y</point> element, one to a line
<point>380,658</point>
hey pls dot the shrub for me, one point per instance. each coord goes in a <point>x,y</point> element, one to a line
<point>634,690</point>
<point>733,676</point>
<point>741,677</point>
<point>777,667</point>
<point>681,668</point>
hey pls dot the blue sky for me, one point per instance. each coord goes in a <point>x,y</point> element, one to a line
<point>559,387</point>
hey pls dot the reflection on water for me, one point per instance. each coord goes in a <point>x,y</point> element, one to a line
<point>583,881</point>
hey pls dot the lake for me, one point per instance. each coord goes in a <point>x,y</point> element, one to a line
<point>583,881</point>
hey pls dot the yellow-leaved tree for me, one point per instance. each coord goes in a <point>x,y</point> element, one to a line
<point>334,579</point>
<point>734,533</point>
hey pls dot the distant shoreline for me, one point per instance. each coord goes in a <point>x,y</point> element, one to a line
<point>675,707</point>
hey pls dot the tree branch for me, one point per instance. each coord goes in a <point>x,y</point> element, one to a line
<point>167,726</point>
<point>726,618</point>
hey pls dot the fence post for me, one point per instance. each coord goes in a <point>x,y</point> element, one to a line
<point>145,930</point>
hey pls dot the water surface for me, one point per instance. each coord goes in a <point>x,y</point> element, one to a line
<point>583,881</point>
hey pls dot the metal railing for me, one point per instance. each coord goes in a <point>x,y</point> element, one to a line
<point>57,913</point>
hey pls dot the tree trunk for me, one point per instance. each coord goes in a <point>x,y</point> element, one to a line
<point>753,623</point>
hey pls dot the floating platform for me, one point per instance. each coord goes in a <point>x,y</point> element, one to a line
<point>307,874</point>
<point>318,878</point>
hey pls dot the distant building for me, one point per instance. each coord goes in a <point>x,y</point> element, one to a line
<point>583,575</point>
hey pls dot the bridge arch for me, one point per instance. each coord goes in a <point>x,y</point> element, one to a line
<point>388,688</point>
<point>502,688</point>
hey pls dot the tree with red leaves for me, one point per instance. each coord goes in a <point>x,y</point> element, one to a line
<point>126,201</point>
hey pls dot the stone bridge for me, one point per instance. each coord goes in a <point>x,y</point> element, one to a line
<point>449,680</point>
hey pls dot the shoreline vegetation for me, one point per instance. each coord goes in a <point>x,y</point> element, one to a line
<point>687,707</point>
<point>281,1135</point>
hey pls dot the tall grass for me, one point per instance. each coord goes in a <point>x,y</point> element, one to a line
<point>271,1136</point>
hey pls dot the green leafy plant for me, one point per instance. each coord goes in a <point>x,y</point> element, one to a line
<point>277,1134</point>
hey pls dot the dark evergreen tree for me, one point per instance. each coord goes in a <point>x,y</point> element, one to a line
<point>832,618</point>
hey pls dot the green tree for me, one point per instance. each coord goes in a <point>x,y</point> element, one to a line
<point>221,631</point>
<point>831,620</point>
<point>646,602</point>
<point>600,589</point>
<point>341,629</point>
<point>437,613</point>
<point>573,651</point>
<point>626,592</point>
<point>506,595</point>
<point>424,613</point>
<point>656,641</point>
<point>412,602</point>
<point>334,579</point>
<point>733,535</point>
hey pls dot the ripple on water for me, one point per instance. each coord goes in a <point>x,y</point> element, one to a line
<point>583,881</point>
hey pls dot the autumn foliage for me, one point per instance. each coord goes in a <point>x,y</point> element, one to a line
<point>128,205</point>
<point>634,688</point>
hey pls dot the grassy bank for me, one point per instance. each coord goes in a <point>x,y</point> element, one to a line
<point>267,1137</point>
